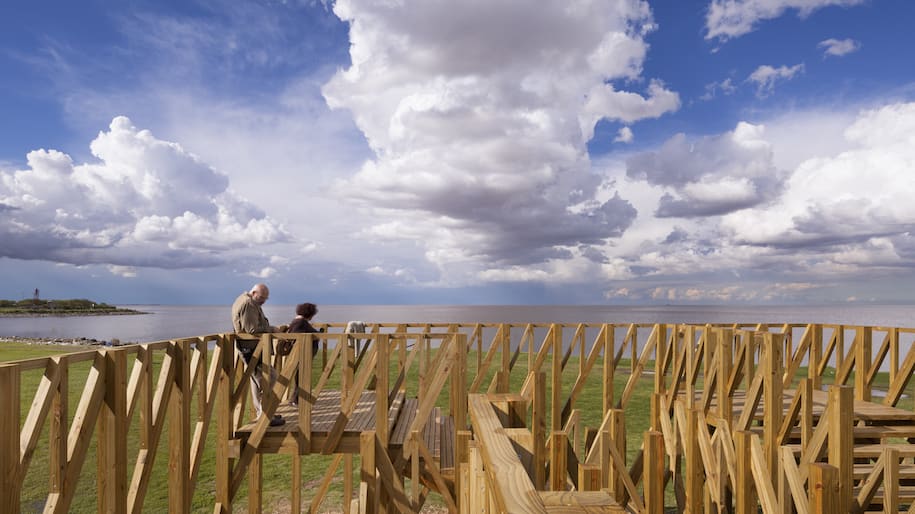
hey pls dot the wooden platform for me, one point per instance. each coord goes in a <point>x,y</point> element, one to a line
<point>437,434</point>
<point>871,414</point>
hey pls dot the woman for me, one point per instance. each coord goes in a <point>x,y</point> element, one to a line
<point>301,323</point>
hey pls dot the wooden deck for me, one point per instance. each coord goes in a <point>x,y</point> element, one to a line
<point>437,434</point>
<point>877,420</point>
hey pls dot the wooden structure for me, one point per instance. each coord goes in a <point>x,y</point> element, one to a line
<point>484,417</point>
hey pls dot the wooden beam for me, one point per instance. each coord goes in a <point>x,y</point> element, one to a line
<point>513,490</point>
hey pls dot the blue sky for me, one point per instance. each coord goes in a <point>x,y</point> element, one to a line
<point>480,152</point>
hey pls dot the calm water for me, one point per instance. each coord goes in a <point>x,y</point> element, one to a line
<point>169,321</point>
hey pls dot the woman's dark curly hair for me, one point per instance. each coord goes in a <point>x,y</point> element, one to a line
<point>306,310</point>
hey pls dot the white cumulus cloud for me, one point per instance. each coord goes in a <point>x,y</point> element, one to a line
<point>144,202</point>
<point>851,210</point>
<point>479,113</point>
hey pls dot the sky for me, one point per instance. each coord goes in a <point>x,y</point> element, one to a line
<point>458,152</point>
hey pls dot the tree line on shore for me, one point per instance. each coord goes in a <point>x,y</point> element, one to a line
<point>71,306</point>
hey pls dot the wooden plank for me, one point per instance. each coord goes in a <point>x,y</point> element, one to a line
<point>512,488</point>
<point>796,485</point>
<point>41,405</point>
<point>763,477</point>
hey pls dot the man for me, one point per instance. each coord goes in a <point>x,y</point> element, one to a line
<point>248,318</point>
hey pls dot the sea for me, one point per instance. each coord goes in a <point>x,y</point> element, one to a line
<point>162,322</point>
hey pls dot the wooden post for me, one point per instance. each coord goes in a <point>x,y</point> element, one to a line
<point>304,396</point>
<point>891,481</point>
<point>381,388</point>
<point>618,439</point>
<point>462,441</point>
<point>695,478</point>
<point>459,405</point>
<point>348,488</point>
<point>415,479</point>
<point>656,412</point>
<point>255,483</point>
<point>749,368</point>
<point>816,356</point>
<point>660,356</point>
<point>841,424</point>
<point>223,411</point>
<point>297,486</point>
<point>689,386</point>
<point>863,358</point>
<point>840,346</point>
<point>724,355</point>
<point>58,427</point>
<point>746,489</point>
<point>653,472</point>
<point>505,376</point>
<point>559,441</point>
<point>823,489</point>
<point>894,353</point>
<point>556,386</point>
<point>179,431</point>
<point>608,369</point>
<point>772,402</point>
<point>368,474</point>
<point>806,389</point>
<point>11,483</point>
<point>538,429</point>
<point>112,436</point>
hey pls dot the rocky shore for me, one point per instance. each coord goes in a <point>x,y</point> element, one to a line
<point>80,341</point>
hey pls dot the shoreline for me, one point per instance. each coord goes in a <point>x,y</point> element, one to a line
<point>61,341</point>
<point>67,314</point>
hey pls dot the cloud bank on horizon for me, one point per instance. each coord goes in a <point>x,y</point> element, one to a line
<point>478,152</point>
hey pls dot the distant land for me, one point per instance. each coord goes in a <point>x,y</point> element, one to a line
<point>74,307</point>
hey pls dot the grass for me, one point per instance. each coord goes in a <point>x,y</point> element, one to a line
<point>277,468</point>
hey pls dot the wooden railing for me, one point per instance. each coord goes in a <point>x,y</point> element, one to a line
<point>525,384</point>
